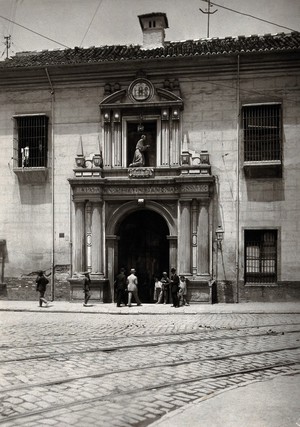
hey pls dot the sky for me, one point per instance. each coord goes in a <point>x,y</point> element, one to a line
<point>85,23</point>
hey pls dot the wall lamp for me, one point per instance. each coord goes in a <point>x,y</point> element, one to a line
<point>96,161</point>
<point>219,236</point>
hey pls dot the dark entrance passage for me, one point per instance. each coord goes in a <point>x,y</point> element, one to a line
<point>143,245</point>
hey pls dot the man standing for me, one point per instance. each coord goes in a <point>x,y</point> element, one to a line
<point>164,295</point>
<point>41,284</point>
<point>174,287</point>
<point>132,282</point>
<point>86,288</point>
<point>120,287</point>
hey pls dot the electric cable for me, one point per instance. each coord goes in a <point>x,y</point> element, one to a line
<point>12,16</point>
<point>99,4</point>
<point>35,32</point>
<point>250,16</point>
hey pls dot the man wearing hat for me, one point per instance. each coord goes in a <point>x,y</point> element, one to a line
<point>86,288</point>
<point>132,282</point>
<point>41,284</point>
<point>174,287</point>
<point>121,287</point>
<point>164,295</point>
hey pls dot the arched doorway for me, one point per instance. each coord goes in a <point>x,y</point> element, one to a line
<point>143,245</point>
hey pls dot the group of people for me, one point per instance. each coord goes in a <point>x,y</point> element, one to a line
<point>126,287</point>
<point>175,285</point>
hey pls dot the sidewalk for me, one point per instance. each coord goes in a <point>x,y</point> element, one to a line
<point>272,403</point>
<point>77,307</point>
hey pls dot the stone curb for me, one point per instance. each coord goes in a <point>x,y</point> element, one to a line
<point>145,312</point>
<point>179,411</point>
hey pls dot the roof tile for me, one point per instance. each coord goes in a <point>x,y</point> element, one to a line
<point>188,48</point>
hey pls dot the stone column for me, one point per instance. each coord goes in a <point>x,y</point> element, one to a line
<point>88,235</point>
<point>97,239</point>
<point>165,144</point>
<point>79,250</point>
<point>194,237</point>
<point>174,153</point>
<point>184,249</point>
<point>203,239</point>
<point>107,145</point>
<point>172,251</point>
<point>111,247</point>
<point>116,145</point>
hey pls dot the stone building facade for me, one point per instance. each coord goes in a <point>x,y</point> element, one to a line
<point>217,196</point>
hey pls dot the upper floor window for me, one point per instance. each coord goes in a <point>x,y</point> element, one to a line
<point>260,256</point>
<point>262,129</point>
<point>31,140</point>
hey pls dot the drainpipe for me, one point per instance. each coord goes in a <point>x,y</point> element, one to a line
<point>52,190</point>
<point>71,234</point>
<point>237,246</point>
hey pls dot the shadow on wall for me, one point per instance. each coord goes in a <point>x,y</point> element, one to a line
<point>263,190</point>
<point>223,292</point>
<point>32,194</point>
<point>3,258</point>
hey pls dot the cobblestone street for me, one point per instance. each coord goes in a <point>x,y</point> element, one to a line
<point>104,369</point>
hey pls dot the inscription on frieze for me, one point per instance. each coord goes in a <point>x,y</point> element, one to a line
<point>140,190</point>
<point>195,188</point>
<point>149,189</point>
<point>87,190</point>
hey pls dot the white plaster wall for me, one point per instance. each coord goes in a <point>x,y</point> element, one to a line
<point>209,123</point>
<point>26,209</point>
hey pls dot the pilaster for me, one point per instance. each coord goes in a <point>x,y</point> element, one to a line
<point>194,237</point>
<point>203,238</point>
<point>79,247</point>
<point>97,239</point>
<point>184,250</point>
<point>111,248</point>
<point>88,235</point>
<point>172,250</point>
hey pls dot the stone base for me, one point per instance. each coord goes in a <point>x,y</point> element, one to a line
<point>3,291</point>
<point>97,286</point>
<point>199,291</point>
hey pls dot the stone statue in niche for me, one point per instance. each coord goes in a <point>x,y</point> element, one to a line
<point>139,158</point>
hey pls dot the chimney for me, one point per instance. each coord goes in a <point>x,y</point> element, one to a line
<point>153,26</point>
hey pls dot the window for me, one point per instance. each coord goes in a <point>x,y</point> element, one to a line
<point>262,132</point>
<point>260,256</point>
<point>31,137</point>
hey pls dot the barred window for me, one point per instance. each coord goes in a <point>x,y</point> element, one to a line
<point>32,140</point>
<point>262,132</point>
<point>260,256</point>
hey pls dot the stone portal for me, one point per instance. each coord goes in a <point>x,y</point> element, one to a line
<point>143,245</point>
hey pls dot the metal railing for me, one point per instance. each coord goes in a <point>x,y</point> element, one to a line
<point>260,256</point>
<point>32,141</point>
<point>262,133</point>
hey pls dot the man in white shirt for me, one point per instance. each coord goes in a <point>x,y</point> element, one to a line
<point>132,282</point>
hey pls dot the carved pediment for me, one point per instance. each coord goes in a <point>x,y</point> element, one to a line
<point>114,97</point>
<point>168,95</point>
<point>122,98</point>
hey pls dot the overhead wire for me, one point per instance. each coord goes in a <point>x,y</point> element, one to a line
<point>34,32</point>
<point>99,4</point>
<point>12,16</point>
<point>249,91</point>
<point>249,15</point>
